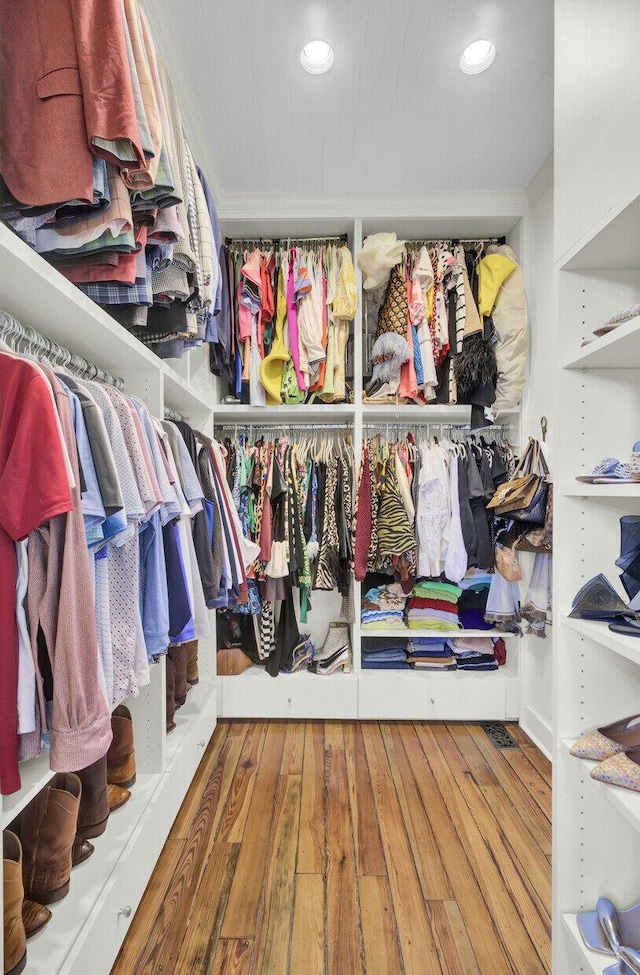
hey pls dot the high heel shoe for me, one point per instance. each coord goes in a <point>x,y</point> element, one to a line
<point>340,660</point>
<point>303,653</point>
<point>612,739</point>
<point>337,639</point>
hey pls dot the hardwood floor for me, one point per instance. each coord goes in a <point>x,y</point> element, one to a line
<point>340,848</point>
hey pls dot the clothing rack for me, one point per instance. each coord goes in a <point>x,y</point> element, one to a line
<point>174,415</point>
<point>400,429</point>
<point>277,241</point>
<point>454,240</point>
<point>37,346</point>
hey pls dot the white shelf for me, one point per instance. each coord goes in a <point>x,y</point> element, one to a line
<point>405,632</point>
<point>187,715</point>
<point>34,775</point>
<point>593,961</point>
<point>301,412</point>
<point>179,395</point>
<point>601,491</point>
<point>625,801</point>
<point>430,412</point>
<point>626,646</point>
<point>619,349</point>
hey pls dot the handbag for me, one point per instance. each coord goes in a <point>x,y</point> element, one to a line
<point>539,540</point>
<point>507,563</point>
<point>524,498</point>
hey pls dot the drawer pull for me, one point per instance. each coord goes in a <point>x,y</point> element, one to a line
<point>201,743</point>
<point>125,911</point>
<point>433,700</point>
<point>288,700</point>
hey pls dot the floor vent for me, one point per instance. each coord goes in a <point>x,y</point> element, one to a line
<point>499,734</point>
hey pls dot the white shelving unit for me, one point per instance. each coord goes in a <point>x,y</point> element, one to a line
<point>89,925</point>
<point>596,672</point>
<point>370,694</point>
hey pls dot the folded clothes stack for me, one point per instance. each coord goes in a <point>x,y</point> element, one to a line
<point>430,653</point>
<point>473,601</point>
<point>433,605</point>
<point>380,656</point>
<point>478,653</point>
<point>383,607</point>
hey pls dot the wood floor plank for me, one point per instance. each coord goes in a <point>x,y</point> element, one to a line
<point>381,952</point>
<point>273,939</point>
<point>477,918</point>
<point>366,832</point>
<point>210,759</point>
<point>495,872</point>
<point>240,791</point>
<point>426,852</point>
<point>232,958</point>
<point>146,917</point>
<point>344,931</point>
<point>246,890</point>
<point>537,758</point>
<point>475,759</point>
<point>308,939</point>
<point>203,930</point>
<point>416,939</point>
<point>537,823</point>
<point>333,734</point>
<point>531,779</point>
<point>311,838</point>
<point>293,749</point>
<point>454,948</point>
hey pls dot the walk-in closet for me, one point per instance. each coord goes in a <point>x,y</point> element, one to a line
<point>319,487</point>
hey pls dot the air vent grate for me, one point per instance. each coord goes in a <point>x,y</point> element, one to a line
<point>499,735</point>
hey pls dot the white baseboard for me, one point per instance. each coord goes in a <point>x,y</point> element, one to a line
<point>538,729</point>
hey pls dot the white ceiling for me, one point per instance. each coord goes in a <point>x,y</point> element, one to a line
<point>395,115</point>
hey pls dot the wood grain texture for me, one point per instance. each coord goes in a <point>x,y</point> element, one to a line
<point>381,948</point>
<point>311,838</point>
<point>308,938</point>
<point>271,953</point>
<point>366,832</point>
<point>344,933</point>
<point>374,848</point>
<point>246,890</point>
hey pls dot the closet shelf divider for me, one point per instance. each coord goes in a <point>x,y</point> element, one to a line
<point>618,349</point>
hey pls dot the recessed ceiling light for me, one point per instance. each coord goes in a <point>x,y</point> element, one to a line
<point>316,57</point>
<point>477,57</point>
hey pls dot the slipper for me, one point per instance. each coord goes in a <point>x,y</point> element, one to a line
<point>609,740</point>
<point>621,473</point>
<point>605,467</point>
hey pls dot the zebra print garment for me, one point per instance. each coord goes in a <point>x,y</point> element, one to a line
<point>396,534</point>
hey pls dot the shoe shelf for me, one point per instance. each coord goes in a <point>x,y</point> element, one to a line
<point>618,349</point>
<point>626,646</point>
<point>590,961</point>
<point>34,775</point>
<point>625,801</point>
<point>200,701</point>
<point>602,492</point>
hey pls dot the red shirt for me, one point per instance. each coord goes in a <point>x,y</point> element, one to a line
<point>34,487</point>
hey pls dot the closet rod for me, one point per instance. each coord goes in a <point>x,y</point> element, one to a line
<point>455,240</point>
<point>170,414</point>
<point>38,346</point>
<point>318,427</point>
<point>279,240</point>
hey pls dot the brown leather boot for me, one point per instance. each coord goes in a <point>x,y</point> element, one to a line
<point>34,917</point>
<point>171,698</point>
<point>15,941</point>
<point>94,804</point>
<point>121,757</point>
<point>179,657</point>
<point>193,676</point>
<point>49,826</point>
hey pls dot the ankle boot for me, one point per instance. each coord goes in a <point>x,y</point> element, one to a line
<point>193,677</point>
<point>49,826</point>
<point>121,757</point>
<point>337,639</point>
<point>179,659</point>
<point>15,941</point>
<point>34,916</point>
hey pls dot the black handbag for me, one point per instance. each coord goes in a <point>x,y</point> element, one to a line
<point>535,512</point>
